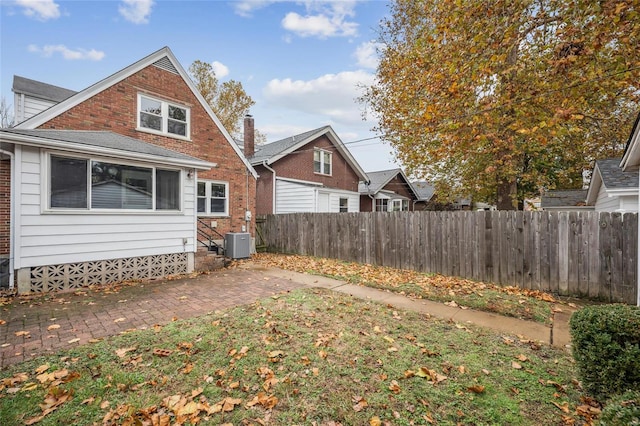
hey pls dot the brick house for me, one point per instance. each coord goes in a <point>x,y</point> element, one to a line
<point>309,172</point>
<point>109,183</point>
<point>387,191</point>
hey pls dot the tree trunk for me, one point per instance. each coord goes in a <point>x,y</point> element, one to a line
<point>506,194</point>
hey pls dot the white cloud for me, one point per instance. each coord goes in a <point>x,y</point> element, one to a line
<point>332,96</point>
<point>136,11</point>
<point>247,7</point>
<point>220,69</point>
<point>40,9</point>
<point>78,54</point>
<point>367,54</point>
<point>323,19</point>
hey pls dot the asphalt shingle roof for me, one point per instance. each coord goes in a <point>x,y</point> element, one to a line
<point>564,198</point>
<point>613,177</point>
<point>424,190</point>
<point>103,139</point>
<point>377,181</point>
<point>269,150</point>
<point>40,90</point>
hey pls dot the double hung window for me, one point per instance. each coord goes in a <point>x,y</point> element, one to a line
<point>213,198</point>
<point>321,161</point>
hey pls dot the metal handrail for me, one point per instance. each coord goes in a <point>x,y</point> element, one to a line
<point>210,244</point>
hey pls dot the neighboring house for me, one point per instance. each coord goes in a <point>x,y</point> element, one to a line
<point>424,191</point>
<point>109,183</point>
<point>565,200</point>
<point>310,172</point>
<point>387,191</point>
<point>612,189</point>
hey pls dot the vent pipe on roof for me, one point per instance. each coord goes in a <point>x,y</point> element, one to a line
<point>249,136</point>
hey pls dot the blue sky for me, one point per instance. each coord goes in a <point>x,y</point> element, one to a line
<point>303,62</point>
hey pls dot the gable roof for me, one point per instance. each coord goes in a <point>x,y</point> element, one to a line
<point>631,156</point>
<point>424,190</point>
<point>378,180</point>
<point>564,198</point>
<point>102,143</point>
<point>40,90</point>
<point>162,58</point>
<point>271,152</point>
<point>609,174</point>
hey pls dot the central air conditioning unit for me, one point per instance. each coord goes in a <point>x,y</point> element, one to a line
<point>237,245</point>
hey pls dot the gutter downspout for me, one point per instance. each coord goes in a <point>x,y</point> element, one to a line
<point>273,187</point>
<point>11,215</point>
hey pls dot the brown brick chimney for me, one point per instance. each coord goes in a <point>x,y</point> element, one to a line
<point>249,136</point>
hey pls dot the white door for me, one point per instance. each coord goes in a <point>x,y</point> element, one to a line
<point>323,202</point>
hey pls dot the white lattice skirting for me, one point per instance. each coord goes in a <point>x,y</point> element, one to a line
<point>70,276</point>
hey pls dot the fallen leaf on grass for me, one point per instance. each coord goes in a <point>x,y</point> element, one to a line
<point>523,358</point>
<point>54,399</point>
<point>476,388</point>
<point>394,387</point>
<point>360,404</point>
<point>375,421</point>
<point>187,368</point>
<point>123,351</point>
<point>564,406</point>
<point>42,368</point>
<point>266,401</point>
<point>226,405</point>
<point>516,365</point>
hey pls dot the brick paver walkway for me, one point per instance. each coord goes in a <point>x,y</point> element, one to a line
<point>43,324</point>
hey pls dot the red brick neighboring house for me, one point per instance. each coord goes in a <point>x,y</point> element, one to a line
<point>150,158</point>
<point>387,191</point>
<point>309,172</point>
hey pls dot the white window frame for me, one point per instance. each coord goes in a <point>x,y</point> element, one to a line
<point>164,115</point>
<point>322,162</point>
<point>208,197</point>
<point>401,203</point>
<point>46,185</point>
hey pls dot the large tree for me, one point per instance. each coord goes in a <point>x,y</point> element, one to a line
<point>228,99</point>
<point>501,99</point>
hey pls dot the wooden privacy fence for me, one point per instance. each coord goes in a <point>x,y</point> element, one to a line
<point>582,254</point>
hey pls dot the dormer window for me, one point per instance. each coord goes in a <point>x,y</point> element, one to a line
<point>158,116</point>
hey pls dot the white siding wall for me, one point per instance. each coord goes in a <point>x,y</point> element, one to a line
<point>354,201</point>
<point>27,106</point>
<point>604,203</point>
<point>292,197</point>
<point>629,203</point>
<point>55,238</point>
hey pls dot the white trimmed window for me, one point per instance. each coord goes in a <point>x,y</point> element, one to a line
<point>399,206</point>
<point>93,184</point>
<point>167,118</point>
<point>382,204</point>
<point>344,205</point>
<point>322,161</point>
<point>213,198</point>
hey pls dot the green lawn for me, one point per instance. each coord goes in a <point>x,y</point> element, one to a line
<point>311,357</point>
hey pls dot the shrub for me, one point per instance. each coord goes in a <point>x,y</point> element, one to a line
<point>606,348</point>
<point>622,410</point>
